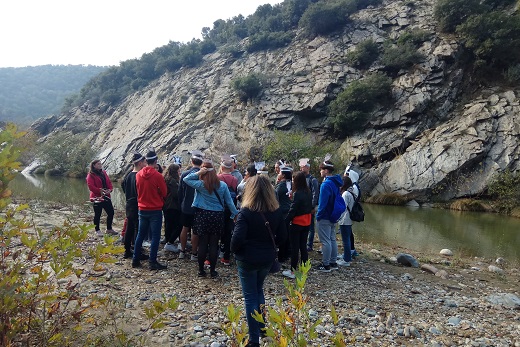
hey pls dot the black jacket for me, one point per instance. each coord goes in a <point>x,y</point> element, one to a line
<point>301,204</point>
<point>282,196</point>
<point>172,199</point>
<point>251,241</point>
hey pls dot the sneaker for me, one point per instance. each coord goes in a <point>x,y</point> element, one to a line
<point>334,266</point>
<point>146,244</point>
<point>157,266</point>
<point>202,273</point>
<point>163,241</point>
<point>99,233</point>
<point>182,254</point>
<point>136,264</point>
<point>128,254</point>
<point>225,261</point>
<point>323,268</point>
<point>170,247</point>
<point>207,264</point>
<point>213,274</point>
<point>111,232</point>
<point>221,254</point>
<point>193,257</point>
<point>341,262</point>
<point>288,273</point>
<point>354,253</point>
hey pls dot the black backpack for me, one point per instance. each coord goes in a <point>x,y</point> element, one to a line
<point>357,214</point>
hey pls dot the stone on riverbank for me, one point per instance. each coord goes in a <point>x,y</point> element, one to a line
<point>446,252</point>
<point>407,260</point>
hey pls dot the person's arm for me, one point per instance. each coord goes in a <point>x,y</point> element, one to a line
<point>92,186</point>
<point>193,180</point>
<point>239,236</point>
<point>227,199</point>
<point>161,185</point>
<point>315,191</point>
<point>295,206</point>
<point>323,201</point>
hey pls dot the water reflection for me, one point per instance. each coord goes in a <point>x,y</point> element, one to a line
<point>470,233</point>
<point>59,189</point>
<point>428,230</point>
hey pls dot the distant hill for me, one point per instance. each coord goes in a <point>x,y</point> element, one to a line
<point>28,93</point>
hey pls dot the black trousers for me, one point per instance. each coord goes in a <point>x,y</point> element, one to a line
<point>298,236</point>
<point>98,209</point>
<point>132,225</point>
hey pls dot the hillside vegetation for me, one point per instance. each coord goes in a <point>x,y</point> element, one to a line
<point>28,93</point>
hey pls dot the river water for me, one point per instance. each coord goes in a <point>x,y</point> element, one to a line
<point>420,229</point>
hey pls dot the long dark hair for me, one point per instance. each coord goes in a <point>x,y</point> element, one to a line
<point>300,182</point>
<point>210,178</point>
<point>172,172</point>
<point>93,170</point>
<point>347,183</point>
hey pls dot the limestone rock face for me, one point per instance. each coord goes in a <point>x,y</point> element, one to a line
<point>426,144</point>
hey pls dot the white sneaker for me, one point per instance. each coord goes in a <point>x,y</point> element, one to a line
<point>182,254</point>
<point>111,232</point>
<point>146,244</point>
<point>341,262</point>
<point>288,273</point>
<point>170,247</point>
<point>100,233</point>
<point>194,257</point>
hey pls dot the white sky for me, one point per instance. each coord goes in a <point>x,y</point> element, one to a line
<point>104,32</point>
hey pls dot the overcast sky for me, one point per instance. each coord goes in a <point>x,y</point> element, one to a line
<point>103,32</point>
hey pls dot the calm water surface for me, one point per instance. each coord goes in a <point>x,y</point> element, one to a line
<point>421,229</point>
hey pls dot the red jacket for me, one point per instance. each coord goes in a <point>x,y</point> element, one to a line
<point>95,185</point>
<point>151,189</point>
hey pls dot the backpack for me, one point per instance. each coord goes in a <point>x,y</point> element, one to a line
<point>338,209</point>
<point>357,214</point>
<point>232,192</point>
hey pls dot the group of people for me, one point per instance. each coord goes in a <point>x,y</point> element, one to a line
<point>250,216</point>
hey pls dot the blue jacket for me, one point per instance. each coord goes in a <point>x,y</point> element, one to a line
<point>206,201</point>
<point>329,188</point>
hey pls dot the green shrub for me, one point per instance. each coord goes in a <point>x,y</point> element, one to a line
<point>493,38</point>
<point>247,87</point>
<point>364,55</point>
<point>512,74</point>
<point>264,41</point>
<point>325,17</point>
<point>66,153</point>
<point>353,106</point>
<point>450,13</point>
<point>398,57</point>
<point>505,189</point>
<point>415,37</point>
<point>295,145</point>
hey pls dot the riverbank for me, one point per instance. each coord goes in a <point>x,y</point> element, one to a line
<point>379,302</point>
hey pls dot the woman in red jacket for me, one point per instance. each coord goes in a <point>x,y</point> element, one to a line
<point>100,188</point>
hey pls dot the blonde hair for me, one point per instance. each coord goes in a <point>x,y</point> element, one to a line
<point>259,195</point>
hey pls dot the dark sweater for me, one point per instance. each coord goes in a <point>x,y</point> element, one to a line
<point>282,196</point>
<point>172,199</point>
<point>301,204</point>
<point>251,241</point>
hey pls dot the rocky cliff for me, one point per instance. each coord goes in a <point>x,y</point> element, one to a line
<point>428,144</point>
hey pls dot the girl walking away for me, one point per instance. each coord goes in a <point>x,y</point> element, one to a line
<point>211,197</point>
<point>100,188</point>
<point>299,220</point>
<point>345,223</point>
<point>259,227</point>
<point>172,208</point>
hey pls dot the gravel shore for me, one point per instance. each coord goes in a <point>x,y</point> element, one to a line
<point>469,302</point>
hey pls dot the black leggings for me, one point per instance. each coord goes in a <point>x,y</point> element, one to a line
<point>172,224</point>
<point>98,209</point>
<point>298,236</point>
<point>208,242</point>
<point>132,225</point>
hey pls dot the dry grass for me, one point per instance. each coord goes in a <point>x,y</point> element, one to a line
<point>515,212</point>
<point>470,205</point>
<point>388,199</point>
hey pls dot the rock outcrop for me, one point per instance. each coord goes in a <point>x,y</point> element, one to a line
<point>427,144</point>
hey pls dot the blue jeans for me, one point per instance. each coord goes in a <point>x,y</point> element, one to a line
<point>310,240</point>
<point>148,221</point>
<point>329,246</point>
<point>252,280</point>
<point>346,233</point>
